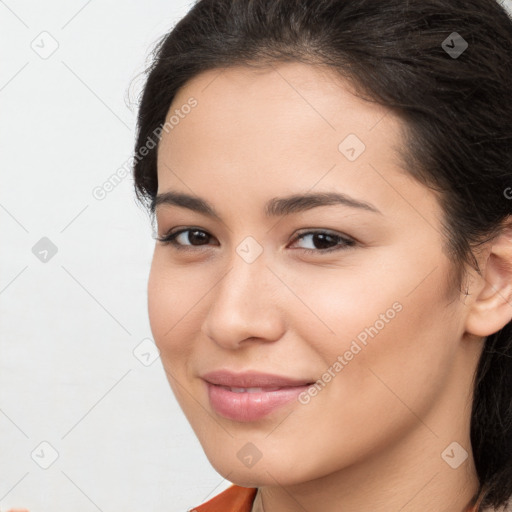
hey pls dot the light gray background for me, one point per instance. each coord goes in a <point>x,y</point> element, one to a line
<point>71,326</point>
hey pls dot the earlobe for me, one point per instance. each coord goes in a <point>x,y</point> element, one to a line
<point>491,308</point>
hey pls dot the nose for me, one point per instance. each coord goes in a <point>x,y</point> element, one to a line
<point>246,304</point>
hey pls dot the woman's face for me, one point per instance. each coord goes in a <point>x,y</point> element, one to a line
<point>255,289</point>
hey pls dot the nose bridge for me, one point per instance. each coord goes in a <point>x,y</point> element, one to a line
<point>243,301</point>
<point>247,272</point>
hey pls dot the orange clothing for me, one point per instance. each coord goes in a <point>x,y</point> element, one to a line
<point>240,499</point>
<point>233,499</point>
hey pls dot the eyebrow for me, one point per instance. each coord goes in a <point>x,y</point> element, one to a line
<point>275,207</point>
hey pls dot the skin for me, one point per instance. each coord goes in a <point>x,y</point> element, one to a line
<point>372,439</point>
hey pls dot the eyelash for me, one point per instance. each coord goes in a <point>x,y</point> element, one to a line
<point>170,239</point>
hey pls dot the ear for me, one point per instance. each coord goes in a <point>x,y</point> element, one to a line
<point>491,308</point>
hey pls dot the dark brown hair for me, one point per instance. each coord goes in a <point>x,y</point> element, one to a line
<point>456,104</point>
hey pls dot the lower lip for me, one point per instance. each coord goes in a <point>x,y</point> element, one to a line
<point>250,406</point>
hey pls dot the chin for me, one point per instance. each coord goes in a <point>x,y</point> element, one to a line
<point>259,475</point>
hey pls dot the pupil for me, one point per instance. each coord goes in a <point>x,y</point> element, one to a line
<point>194,234</point>
<point>322,238</point>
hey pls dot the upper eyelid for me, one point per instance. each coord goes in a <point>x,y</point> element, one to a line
<point>302,231</point>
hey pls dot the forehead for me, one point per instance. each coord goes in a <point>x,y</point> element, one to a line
<point>287,128</point>
<point>278,95</point>
<point>290,107</point>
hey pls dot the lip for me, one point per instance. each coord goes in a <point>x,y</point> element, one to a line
<point>251,406</point>
<point>252,379</point>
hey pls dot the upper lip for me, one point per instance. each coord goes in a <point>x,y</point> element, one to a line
<point>252,379</point>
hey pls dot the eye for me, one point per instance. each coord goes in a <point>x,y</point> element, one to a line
<point>177,238</point>
<point>323,238</point>
<point>324,241</point>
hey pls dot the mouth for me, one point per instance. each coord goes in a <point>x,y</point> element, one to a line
<point>251,395</point>
<point>250,404</point>
<point>251,390</point>
<point>252,380</point>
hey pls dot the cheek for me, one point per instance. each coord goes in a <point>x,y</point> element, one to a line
<point>168,304</point>
<point>158,301</point>
<point>379,324</point>
<point>342,305</point>
<point>390,373</point>
<point>170,311</point>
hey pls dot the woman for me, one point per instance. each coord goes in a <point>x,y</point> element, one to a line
<point>331,282</point>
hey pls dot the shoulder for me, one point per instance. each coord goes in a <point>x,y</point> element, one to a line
<point>233,499</point>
